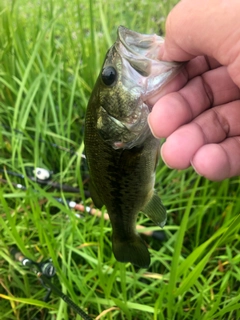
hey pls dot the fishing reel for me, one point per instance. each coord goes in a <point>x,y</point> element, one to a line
<point>46,267</point>
<point>38,173</point>
<point>45,271</point>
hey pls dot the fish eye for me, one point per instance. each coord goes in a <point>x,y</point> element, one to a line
<point>109,75</point>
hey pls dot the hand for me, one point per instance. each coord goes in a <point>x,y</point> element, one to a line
<point>199,111</point>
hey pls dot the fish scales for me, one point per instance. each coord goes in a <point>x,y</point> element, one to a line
<point>121,152</point>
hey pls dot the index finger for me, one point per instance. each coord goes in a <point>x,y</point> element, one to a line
<point>213,88</point>
<point>191,69</point>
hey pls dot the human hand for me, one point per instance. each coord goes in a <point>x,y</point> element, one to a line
<point>199,111</point>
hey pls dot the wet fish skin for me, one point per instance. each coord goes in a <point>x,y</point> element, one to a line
<point>121,152</point>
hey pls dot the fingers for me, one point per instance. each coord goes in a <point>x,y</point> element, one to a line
<point>218,161</point>
<point>207,139</point>
<point>180,147</point>
<point>200,65</point>
<point>178,108</point>
<point>213,88</point>
<point>177,83</point>
<point>193,68</point>
<point>189,144</point>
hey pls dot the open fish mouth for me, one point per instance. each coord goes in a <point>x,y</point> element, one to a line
<point>138,44</point>
<point>141,53</point>
<point>137,49</point>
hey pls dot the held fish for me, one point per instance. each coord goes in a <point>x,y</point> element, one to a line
<point>121,152</point>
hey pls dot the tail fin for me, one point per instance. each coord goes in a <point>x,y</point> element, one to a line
<point>133,250</point>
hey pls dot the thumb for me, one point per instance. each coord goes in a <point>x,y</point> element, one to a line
<point>170,51</point>
<point>201,27</point>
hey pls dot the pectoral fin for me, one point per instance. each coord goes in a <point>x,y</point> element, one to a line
<point>156,211</point>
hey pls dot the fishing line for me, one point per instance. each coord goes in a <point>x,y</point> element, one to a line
<point>45,271</point>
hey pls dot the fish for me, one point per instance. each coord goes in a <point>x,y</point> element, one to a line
<point>121,152</point>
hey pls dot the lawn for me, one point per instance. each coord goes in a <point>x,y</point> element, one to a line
<point>50,55</point>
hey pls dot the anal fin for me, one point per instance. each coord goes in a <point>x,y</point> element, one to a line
<point>156,211</point>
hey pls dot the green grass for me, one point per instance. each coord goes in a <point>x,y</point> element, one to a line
<point>50,55</point>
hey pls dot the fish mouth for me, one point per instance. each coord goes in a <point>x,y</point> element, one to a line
<point>141,53</point>
<point>139,44</point>
<point>138,49</point>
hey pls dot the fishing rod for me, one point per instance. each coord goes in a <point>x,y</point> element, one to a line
<point>41,176</point>
<point>159,235</point>
<point>45,271</point>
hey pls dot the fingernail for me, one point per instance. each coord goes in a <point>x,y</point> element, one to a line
<point>191,162</point>
<point>149,124</point>
<point>163,157</point>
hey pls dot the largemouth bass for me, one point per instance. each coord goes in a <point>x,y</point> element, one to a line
<point>121,152</point>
